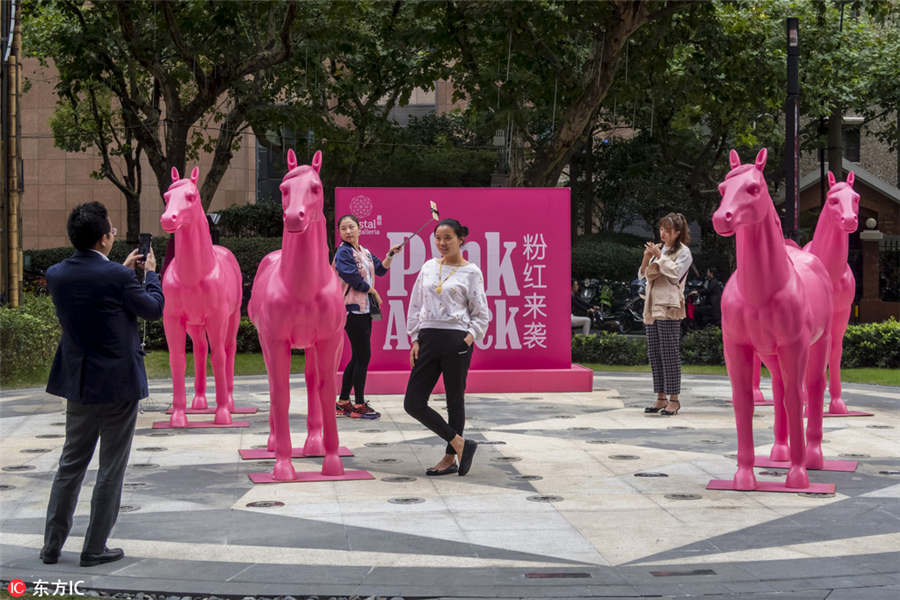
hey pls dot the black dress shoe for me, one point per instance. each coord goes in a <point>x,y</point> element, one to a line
<point>448,471</point>
<point>49,557</point>
<point>468,453</point>
<point>89,559</point>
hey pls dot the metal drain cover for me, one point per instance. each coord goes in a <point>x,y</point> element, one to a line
<point>600,442</point>
<point>375,444</point>
<point>260,447</point>
<point>852,455</point>
<point>265,504</point>
<point>564,417</point>
<point>49,436</point>
<point>650,474</point>
<point>889,472</point>
<point>526,477</point>
<point>545,498</point>
<point>879,426</point>
<point>624,457</point>
<point>406,500</point>
<point>711,441</point>
<point>506,459</point>
<point>678,427</point>
<point>581,428</point>
<point>58,424</point>
<point>134,484</point>
<point>771,473</point>
<point>160,434</point>
<point>17,468</point>
<point>811,495</point>
<point>492,443</point>
<point>4,487</point>
<point>152,449</point>
<point>34,450</point>
<point>399,479</point>
<point>129,508</point>
<point>385,461</point>
<point>683,496</point>
<point>144,465</point>
<point>371,431</point>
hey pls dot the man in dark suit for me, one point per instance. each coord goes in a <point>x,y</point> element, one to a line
<point>99,369</point>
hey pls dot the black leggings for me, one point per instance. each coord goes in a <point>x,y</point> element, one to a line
<point>441,351</point>
<point>359,330</point>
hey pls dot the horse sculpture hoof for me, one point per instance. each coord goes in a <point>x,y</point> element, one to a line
<point>332,465</point>
<point>223,416</point>
<point>744,479</point>
<point>837,407</point>
<point>780,452</point>
<point>758,397</point>
<point>284,470</point>
<point>314,446</point>
<point>199,402</point>
<point>814,458</point>
<point>270,443</point>
<point>178,419</point>
<point>797,477</point>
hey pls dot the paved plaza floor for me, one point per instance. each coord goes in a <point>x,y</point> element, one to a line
<point>575,495</point>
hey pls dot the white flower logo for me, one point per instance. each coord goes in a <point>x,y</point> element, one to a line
<point>361,206</point>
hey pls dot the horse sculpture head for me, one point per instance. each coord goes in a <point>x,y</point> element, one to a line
<point>745,195</point>
<point>183,205</point>
<point>842,203</point>
<point>302,197</point>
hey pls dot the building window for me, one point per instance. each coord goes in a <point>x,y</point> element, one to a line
<point>850,136</point>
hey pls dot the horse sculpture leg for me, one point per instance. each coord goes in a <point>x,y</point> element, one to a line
<point>739,362</point>
<point>329,357</point>
<point>313,445</point>
<point>780,449</point>
<point>792,360</point>
<point>815,401</point>
<point>758,397</point>
<point>216,332</point>
<point>175,338</point>
<point>198,338</point>
<point>230,350</point>
<point>838,327</point>
<point>277,355</point>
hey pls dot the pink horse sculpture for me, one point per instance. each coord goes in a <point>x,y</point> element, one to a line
<point>777,304</point>
<point>202,286</point>
<point>296,302</point>
<point>839,218</point>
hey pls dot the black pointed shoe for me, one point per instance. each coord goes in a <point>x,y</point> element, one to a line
<point>90,559</point>
<point>468,453</point>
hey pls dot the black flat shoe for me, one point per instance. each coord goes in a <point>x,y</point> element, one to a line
<point>437,472</point>
<point>89,559</point>
<point>468,453</point>
<point>49,557</point>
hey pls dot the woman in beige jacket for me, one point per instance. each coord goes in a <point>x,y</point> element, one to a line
<point>665,268</point>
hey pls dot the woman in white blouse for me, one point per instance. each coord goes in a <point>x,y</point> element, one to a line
<point>665,267</point>
<point>448,311</point>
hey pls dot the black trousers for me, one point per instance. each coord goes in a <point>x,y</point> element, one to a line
<point>359,330</point>
<point>441,352</point>
<point>113,424</point>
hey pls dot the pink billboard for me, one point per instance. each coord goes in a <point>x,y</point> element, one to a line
<point>519,238</point>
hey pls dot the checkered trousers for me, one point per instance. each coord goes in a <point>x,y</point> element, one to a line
<point>664,350</point>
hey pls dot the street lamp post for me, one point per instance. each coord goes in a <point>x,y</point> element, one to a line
<point>791,138</point>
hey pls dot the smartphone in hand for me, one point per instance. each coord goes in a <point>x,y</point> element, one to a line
<point>144,245</point>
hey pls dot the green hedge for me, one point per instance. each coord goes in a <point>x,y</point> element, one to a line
<point>605,260</point>
<point>609,348</point>
<point>872,345</point>
<point>263,219</point>
<point>44,259</point>
<point>247,338</point>
<point>28,337</point>
<point>703,347</point>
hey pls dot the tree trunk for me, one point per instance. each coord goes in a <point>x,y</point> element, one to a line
<point>835,144</point>
<point>133,216</point>
<point>587,153</point>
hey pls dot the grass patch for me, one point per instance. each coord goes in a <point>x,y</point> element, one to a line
<point>861,375</point>
<point>157,364</point>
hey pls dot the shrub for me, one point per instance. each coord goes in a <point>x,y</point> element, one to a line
<point>262,219</point>
<point>605,260</point>
<point>41,260</point>
<point>872,345</point>
<point>28,337</point>
<point>247,338</point>
<point>703,347</point>
<point>609,348</point>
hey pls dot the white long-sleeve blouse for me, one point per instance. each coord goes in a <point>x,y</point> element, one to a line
<point>461,303</point>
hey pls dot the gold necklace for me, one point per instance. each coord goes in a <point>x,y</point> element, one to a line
<point>440,285</point>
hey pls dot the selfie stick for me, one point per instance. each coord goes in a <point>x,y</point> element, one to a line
<point>435,216</point>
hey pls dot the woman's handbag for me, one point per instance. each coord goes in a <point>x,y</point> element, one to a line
<point>374,309</point>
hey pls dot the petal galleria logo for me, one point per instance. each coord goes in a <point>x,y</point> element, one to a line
<point>361,206</point>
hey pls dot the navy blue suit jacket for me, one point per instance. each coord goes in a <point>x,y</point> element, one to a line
<point>99,359</point>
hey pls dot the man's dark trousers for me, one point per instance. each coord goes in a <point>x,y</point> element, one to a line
<point>113,425</point>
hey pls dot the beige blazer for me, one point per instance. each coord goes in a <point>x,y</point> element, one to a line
<point>665,288</point>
